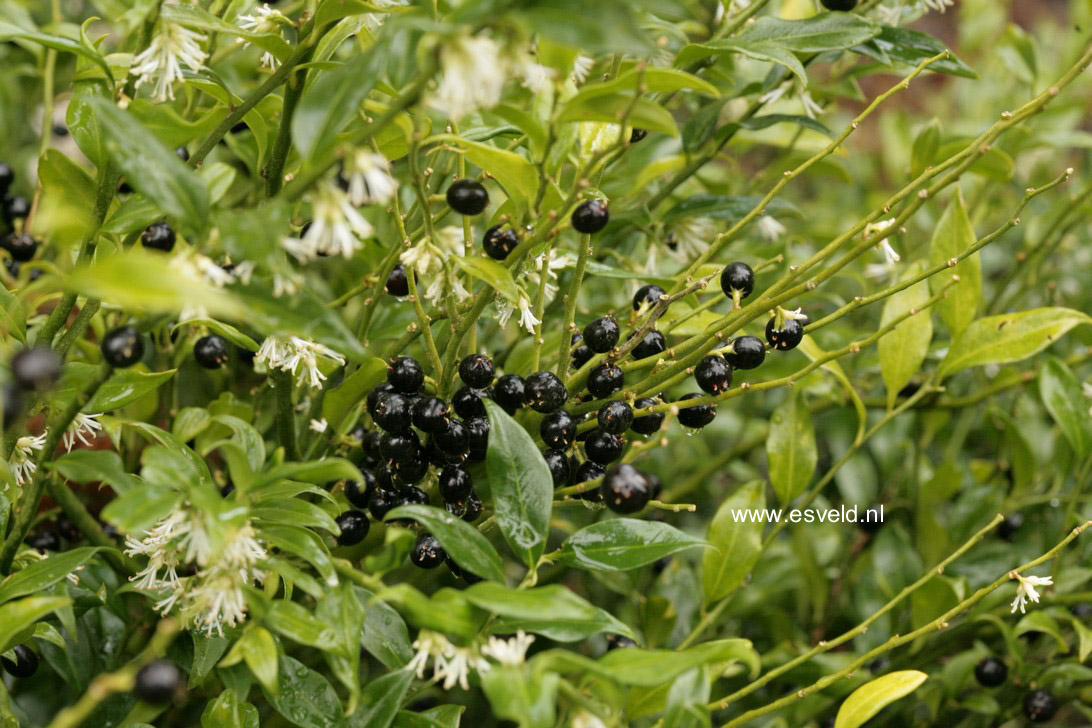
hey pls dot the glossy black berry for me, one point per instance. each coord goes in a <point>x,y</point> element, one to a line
<point>737,279</point>
<point>399,447</point>
<point>48,540</point>
<point>647,295</point>
<point>14,402</point>
<point>393,412</point>
<point>397,284</point>
<point>455,483</point>
<point>618,642</point>
<point>122,347</point>
<point>25,663</point>
<point>558,430</point>
<point>586,472</point>
<point>35,369</point>
<point>1008,528</point>
<point>625,489</point>
<point>467,197</point>
<point>590,217</point>
<point>359,492</point>
<point>558,463</point>
<point>713,374</point>
<point>581,354</point>
<point>545,392</point>
<point>469,509</point>
<point>7,177</point>
<point>383,501</point>
<point>158,236</point>
<point>354,527</point>
<point>499,241</point>
<point>748,352</point>
<point>405,374</point>
<point>17,208</point>
<point>653,344</point>
<point>158,681</point>
<point>637,135</point>
<point>510,392</point>
<point>477,429</point>
<point>477,371</point>
<point>21,246</point>
<point>375,395</point>
<point>605,379</point>
<point>990,672</point>
<point>696,417</point>
<point>427,552</point>
<point>369,445</point>
<point>1040,706</point>
<point>411,471</point>
<point>615,417</point>
<point>647,424</point>
<point>842,5</point>
<point>430,414</point>
<point>211,351</point>
<point>468,402</point>
<point>602,334</point>
<point>603,447</point>
<point>786,338</point>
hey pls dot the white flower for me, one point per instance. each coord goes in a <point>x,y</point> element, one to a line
<point>336,227</point>
<point>774,95</point>
<point>795,314</point>
<point>533,75</point>
<point>811,108</point>
<point>890,257</point>
<point>268,20</point>
<point>374,20</point>
<point>81,428</point>
<point>874,228</point>
<point>770,228</point>
<point>369,178</point>
<point>1025,589</point>
<point>690,236</point>
<point>427,645</point>
<point>473,76</point>
<point>582,66</point>
<point>585,719</point>
<point>212,273</point>
<point>451,665</point>
<point>298,356</point>
<point>527,318</point>
<point>938,5</point>
<point>511,652</point>
<point>172,46</point>
<point>22,457</point>
<point>319,425</point>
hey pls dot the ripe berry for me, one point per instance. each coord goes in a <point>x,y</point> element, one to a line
<point>392,412</point>
<point>375,395</point>
<point>1007,528</point>
<point>453,439</point>
<point>618,642</point>
<point>615,417</point>
<point>654,343</point>
<point>713,374</point>
<point>603,447</point>
<point>427,552</point>
<point>605,380</point>
<point>785,338</point>
<point>25,663</point>
<point>602,334</point>
<point>477,429</point>
<point>359,492</point>
<point>586,472</point>
<point>558,430</point>
<point>510,392</point>
<point>648,294</point>
<point>158,236</point>
<point>581,353</point>
<point>737,280</point>
<point>411,472</point>
<point>354,527</point>
<point>158,681</point>
<point>37,368</point>
<point>499,241</point>
<point>590,217</point>
<point>477,371</point>
<point>625,489</point>
<point>468,509</point>
<point>748,352</point>
<point>696,417</point>
<point>430,414</point>
<point>843,5</point>
<point>211,351</point>
<point>545,392</point>
<point>122,347</point>
<point>1040,706</point>
<point>647,424</point>
<point>467,197</point>
<point>21,246</point>
<point>369,445</point>
<point>399,447</point>
<point>397,285</point>
<point>468,402</point>
<point>990,672</point>
<point>17,208</point>
<point>637,135</point>
<point>7,177</point>
<point>405,374</point>
<point>558,464</point>
<point>455,483</point>
<point>382,502</point>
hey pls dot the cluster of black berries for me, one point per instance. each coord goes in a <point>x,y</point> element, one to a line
<point>14,210</point>
<point>1039,705</point>
<point>33,371</point>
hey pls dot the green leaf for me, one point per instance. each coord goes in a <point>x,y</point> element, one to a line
<point>66,202</point>
<point>207,651</point>
<point>819,33</point>
<point>520,483</point>
<point>259,650</point>
<point>299,625</point>
<point>553,611</point>
<point>648,79</point>
<point>903,349</point>
<point>380,700</point>
<point>56,42</point>
<point>618,544</point>
<point>126,386</point>
<point>228,331</point>
<point>515,174</point>
<point>42,574</point>
<point>954,235</point>
<point>790,447</point>
<point>491,272</point>
<point>1009,337</point>
<point>135,213</point>
<point>151,168</point>
<point>759,51</point>
<point>649,668</point>
<point>911,47</point>
<point>305,698</point>
<point>687,701</point>
<point>926,147</point>
<point>1064,399</point>
<point>226,711</point>
<point>341,401</point>
<point>607,26</point>
<point>333,100</point>
<point>314,471</point>
<point>611,108</point>
<point>526,697</point>
<point>445,611</point>
<point>294,511</point>
<point>384,635</point>
<point>736,546</point>
<point>873,696</point>
<point>89,466</point>
<point>461,541</point>
<point>136,510</point>
<point>17,616</point>
<point>303,543</point>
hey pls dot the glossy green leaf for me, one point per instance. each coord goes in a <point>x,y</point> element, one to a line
<point>911,47</point>
<point>527,697</point>
<point>125,386</point>
<point>491,272</point>
<point>384,635</point>
<point>1063,397</point>
<point>227,711</point>
<point>1009,337</point>
<point>17,615</point>
<point>553,611</point>
<point>66,201</point>
<point>8,32</point>
<point>687,701</point>
<point>305,698</point>
<point>618,544</point>
<point>735,544</point>
<point>136,510</point>
<point>40,575</point>
<point>334,98</point>
<point>461,541</point>
<point>608,26</point>
<point>902,350</point>
<point>873,696</point>
<point>791,449</point>
<point>89,466</point>
<point>381,700</point>
<point>611,108</point>
<point>295,622</point>
<point>819,33</point>
<point>259,651</point>
<point>648,668</point>
<point>447,610</point>
<point>228,331</point>
<point>303,543</point>
<point>952,236</point>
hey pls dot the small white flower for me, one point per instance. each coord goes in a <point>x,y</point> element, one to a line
<point>585,719</point>
<point>938,5</point>
<point>877,227</point>
<point>533,75</point>
<point>691,236</point>
<point>473,76</point>
<point>527,319</point>
<point>451,240</point>
<point>890,257</point>
<point>774,95</point>
<point>268,20</point>
<point>298,356</point>
<point>1025,589</point>
<point>81,428</point>
<point>795,314</point>
<point>369,178</point>
<point>427,645</point>
<point>811,108</point>
<point>511,652</point>
<point>770,228</point>
<point>212,273</point>
<point>374,20</point>
<point>336,227</point>
<point>22,457</point>
<point>172,47</point>
<point>319,425</point>
<point>582,66</point>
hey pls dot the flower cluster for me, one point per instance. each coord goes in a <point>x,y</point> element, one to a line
<point>1025,589</point>
<point>298,356</point>
<point>452,665</point>
<point>172,47</point>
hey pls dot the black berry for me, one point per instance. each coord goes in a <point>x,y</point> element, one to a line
<point>25,663</point>
<point>990,672</point>
<point>647,424</point>
<point>468,402</point>
<point>1007,528</point>
<point>467,197</point>
<point>637,135</point>
<point>737,279</point>
<point>122,347</point>
<point>411,472</point>
<point>696,417</point>
<point>586,472</point>
<point>843,5</point>
<point>460,573</point>
<point>455,483</point>
<point>405,374</point>
<point>558,430</point>
<point>17,208</point>
<point>603,447</point>
<point>359,492</point>
<point>158,681</point>
<point>590,217</point>
<point>748,352</point>
<point>647,295</point>
<point>37,368</point>
<point>618,642</point>
<point>399,447</point>
<point>158,236</point>
<point>787,337</point>
<point>397,284</point>
<point>652,344</point>
<point>7,177</point>
<point>392,412</point>
<point>713,374</point>
<point>602,334</point>
<point>21,246</point>
<point>354,527</point>
<point>625,489</point>
<point>211,351</point>
<point>581,354</point>
<point>558,463</point>
<point>468,509</point>
<point>605,379</point>
<point>510,392</point>
<point>430,414</point>
<point>477,371</point>
<point>499,241</point>
<point>382,502</point>
<point>545,392</point>
<point>1040,706</point>
<point>453,438</point>
<point>478,430</point>
<point>615,417</point>
<point>427,552</point>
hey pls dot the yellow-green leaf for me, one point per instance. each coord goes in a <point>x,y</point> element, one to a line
<point>952,236</point>
<point>1009,337</point>
<point>516,175</point>
<point>736,545</point>
<point>790,447</point>
<point>873,696</point>
<point>903,349</point>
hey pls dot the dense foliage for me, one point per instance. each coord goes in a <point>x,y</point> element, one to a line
<point>415,362</point>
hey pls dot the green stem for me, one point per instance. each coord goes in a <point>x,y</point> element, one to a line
<point>278,156</point>
<point>568,326</point>
<point>79,325</point>
<point>286,414</point>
